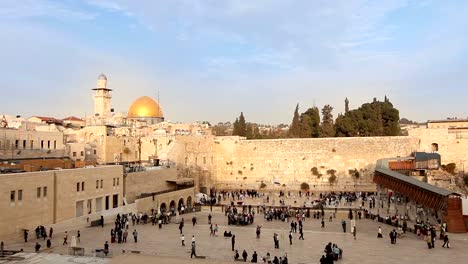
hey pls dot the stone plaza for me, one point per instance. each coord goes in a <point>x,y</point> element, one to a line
<point>159,244</point>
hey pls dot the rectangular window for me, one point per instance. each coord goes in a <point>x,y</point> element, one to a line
<point>74,154</point>
<point>95,152</point>
<point>12,196</point>
<point>82,153</point>
<point>113,183</point>
<point>118,181</point>
<point>77,186</point>
<point>24,144</point>
<point>16,144</point>
<point>48,144</point>
<point>38,192</point>
<point>44,191</point>
<point>97,184</point>
<point>102,183</point>
<point>20,195</point>
<point>55,144</point>
<point>82,186</point>
<point>42,144</point>
<point>31,144</point>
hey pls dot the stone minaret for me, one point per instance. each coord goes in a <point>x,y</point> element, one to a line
<point>102,97</point>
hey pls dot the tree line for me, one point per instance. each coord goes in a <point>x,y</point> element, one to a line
<point>377,118</point>
<point>370,119</point>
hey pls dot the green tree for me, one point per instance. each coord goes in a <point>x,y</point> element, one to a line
<point>242,125</point>
<point>305,130</point>
<point>313,122</point>
<point>294,129</point>
<point>346,105</point>
<point>235,130</point>
<point>327,127</point>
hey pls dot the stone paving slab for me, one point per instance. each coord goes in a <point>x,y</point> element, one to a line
<point>367,248</point>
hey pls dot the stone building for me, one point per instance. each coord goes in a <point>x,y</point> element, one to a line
<point>49,197</point>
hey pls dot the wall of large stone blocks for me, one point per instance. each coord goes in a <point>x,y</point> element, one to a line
<point>137,183</point>
<point>290,162</point>
<point>195,157</point>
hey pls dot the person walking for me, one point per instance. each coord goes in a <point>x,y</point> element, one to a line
<point>181,225</point>
<point>102,221</point>
<point>106,248</point>
<point>233,242</point>
<point>343,224</point>
<point>25,235</point>
<point>290,238</point>
<point>354,232</point>
<point>65,238</point>
<point>429,241</point>
<point>135,236</point>
<point>301,234</point>
<point>446,241</point>
<point>194,220</point>
<point>78,236</point>
<point>48,243</point>
<point>323,223</point>
<point>182,238</point>
<point>193,253</point>
<point>379,233</point>
<point>51,231</point>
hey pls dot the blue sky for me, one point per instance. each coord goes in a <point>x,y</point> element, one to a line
<point>212,59</point>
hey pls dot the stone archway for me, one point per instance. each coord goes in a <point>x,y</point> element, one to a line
<point>172,206</point>
<point>189,202</point>
<point>163,208</point>
<point>180,204</point>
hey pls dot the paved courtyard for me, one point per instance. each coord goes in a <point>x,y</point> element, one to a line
<point>165,242</point>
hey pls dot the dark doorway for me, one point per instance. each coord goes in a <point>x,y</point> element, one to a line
<point>107,202</point>
<point>115,201</point>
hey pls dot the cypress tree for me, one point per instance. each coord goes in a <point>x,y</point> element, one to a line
<point>242,125</point>
<point>294,129</point>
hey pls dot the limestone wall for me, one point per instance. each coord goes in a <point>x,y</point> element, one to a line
<point>148,182</point>
<point>452,144</point>
<point>247,163</point>
<point>185,196</point>
<point>49,197</point>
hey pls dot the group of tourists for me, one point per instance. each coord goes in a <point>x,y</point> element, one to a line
<point>239,218</point>
<point>266,259</point>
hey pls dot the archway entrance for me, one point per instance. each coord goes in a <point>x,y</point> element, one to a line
<point>181,203</point>
<point>172,207</point>
<point>189,202</point>
<point>163,208</point>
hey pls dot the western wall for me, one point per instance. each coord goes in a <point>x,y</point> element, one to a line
<point>284,164</point>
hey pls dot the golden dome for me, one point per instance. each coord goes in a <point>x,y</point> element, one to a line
<point>145,107</point>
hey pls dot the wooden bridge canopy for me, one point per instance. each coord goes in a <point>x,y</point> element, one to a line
<point>418,191</point>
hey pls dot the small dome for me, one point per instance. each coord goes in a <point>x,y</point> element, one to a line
<point>145,107</point>
<point>102,77</point>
